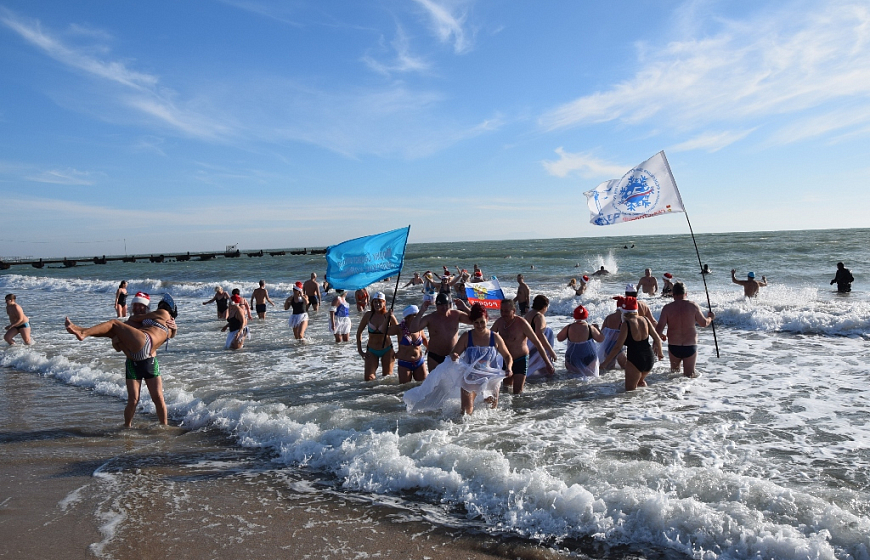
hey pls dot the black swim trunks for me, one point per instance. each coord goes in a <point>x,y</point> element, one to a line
<point>520,365</point>
<point>261,308</point>
<point>682,352</point>
<point>524,307</point>
<point>142,369</point>
<point>437,357</point>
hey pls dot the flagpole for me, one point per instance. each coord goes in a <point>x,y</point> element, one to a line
<point>697,253</point>
<point>704,278</point>
<point>393,303</point>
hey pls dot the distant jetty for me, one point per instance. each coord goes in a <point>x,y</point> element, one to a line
<point>232,252</point>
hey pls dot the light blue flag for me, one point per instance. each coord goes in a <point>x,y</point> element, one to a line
<point>359,262</point>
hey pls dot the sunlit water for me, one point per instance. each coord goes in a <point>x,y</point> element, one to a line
<point>765,455</point>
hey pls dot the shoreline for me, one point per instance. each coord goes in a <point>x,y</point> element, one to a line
<point>74,483</point>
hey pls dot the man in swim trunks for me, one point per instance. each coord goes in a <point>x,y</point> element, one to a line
<point>648,283</point>
<point>312,289</point>
<point>19,323</point>
<point>750,285</point>
<point>523,295</point>
<point>443,326</point>
<point>261,296</point>
<point>679,318</point>
<point>516,333</point>
<point>643,309</point>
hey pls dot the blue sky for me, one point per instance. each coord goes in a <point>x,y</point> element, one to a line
<point>175,126</point>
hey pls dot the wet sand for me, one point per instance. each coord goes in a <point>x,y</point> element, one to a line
<point>75,484</point>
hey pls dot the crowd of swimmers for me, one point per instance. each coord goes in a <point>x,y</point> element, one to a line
<point>519,340</point>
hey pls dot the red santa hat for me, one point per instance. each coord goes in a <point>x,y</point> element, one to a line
<point>584,279</point>
<point>628,304</point>
<point>143,298</point>
<point>580,313</point>
<point>298,286</point>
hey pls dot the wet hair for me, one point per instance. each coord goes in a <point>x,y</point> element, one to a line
<point>237,292</point>
<point>477,311</point>
<point>173,311</point>
<point>262,283</point>
<point>679,289</point>
<point>10,297</point>
<point>541,301</point>
<point>122,284</point>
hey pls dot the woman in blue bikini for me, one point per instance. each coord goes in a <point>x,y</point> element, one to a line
<point>411,356</point>
<point>379,348</point>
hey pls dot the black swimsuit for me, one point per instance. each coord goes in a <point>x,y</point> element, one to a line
<point>639,352</point>
<point>222,304</point>
<point>122,299</point>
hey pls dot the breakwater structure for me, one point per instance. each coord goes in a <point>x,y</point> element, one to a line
<point>231,252</point>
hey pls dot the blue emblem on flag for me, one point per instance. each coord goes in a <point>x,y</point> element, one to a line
<point>639,193</point>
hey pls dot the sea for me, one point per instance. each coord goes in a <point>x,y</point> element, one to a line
<point>765,454</point>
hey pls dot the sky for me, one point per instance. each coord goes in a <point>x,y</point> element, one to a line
<point>164,126</point>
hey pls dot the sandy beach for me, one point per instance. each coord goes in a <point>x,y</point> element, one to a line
<point>83,488</point>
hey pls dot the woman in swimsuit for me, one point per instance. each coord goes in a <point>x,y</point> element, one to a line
<point>379,348</point>
<point>634,334</point>
<point>481,348</point>
<point>237,323</point>
<point>299,319</point>
<point>537,320</point>
<point>121,300</point>
<point>362,299</point>
<point>581,355</point>
<point>138,338</point>
<point>222,299</point>
<point>411,358</point>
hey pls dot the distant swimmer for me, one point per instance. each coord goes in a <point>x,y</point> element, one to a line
<point>121,300</point>
<point>237,324</point>
<point>843,279</point>
<point>750,285</point>
<point>600,272</point>
<point>706,270</point>
<point>580,288</point>
<point>679,318</point>
<point>312,292</point>
<point>415,281</point>
<point>19,323</point>
<point>667,285</point>
<point>523,295</point>
<point>648,283</point>
<point>222,299</point>
<point>259,299</point>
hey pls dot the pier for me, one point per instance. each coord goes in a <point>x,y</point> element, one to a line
<point>164,257</point>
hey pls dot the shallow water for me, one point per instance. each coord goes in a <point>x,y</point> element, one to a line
<point>765,454</point>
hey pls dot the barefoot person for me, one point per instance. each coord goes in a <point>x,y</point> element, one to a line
<point>379,348</point>
<point>412,362</point>
<point>750,285</point>
<point>443,326</point>
<point>523,295</point>
<point>237,323</point>
<point>19,323</point>
<point>259,299</point>
<point>298,321</point>
<point>581,356</point>
<point>222,299</point>
<point>339,318</point>
<point>634,335</point>
<point>679,318</point>
<point>121,300</point>
<point>517,332</point>
<point>312,292</point>
<point>140,346</point>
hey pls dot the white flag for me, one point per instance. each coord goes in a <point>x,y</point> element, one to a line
<point>646,190</point>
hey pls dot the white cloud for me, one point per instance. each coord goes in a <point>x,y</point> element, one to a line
<point>801,57</point>
<point>711,141</point>
<point>404,60</point>
<point>448,26</point>
<point>140,90</point>
<point>583,164</point>
<point>63,177</point>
